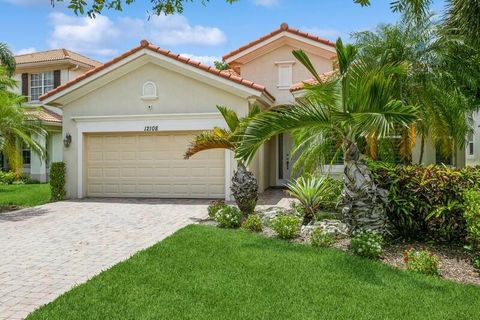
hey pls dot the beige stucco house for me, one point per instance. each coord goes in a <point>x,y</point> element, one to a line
<point>36,74</point>
<point>131,119</point>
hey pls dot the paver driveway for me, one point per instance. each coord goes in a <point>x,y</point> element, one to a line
<point>46,250</point>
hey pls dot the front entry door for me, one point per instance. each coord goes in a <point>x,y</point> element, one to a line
<point>284,161</point>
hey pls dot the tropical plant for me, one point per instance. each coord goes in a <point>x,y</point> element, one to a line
<point>314,193</point>
<point>16,129</point>
<point>7,60</point>
<point>244,184</point>
<point>322,239</point>
<point>472,219</point>
<point>58,172</point>
<point>253,223</point>
<point>355,104</point>
<point>367,244</point>
<point>229,217</point>
<point>214,207</point>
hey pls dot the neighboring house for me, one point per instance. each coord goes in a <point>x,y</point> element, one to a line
<point>36,74</point>
<point>131,119</point>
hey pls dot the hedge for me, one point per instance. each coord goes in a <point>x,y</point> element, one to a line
<point>426,203</point>
<point>57,180</point>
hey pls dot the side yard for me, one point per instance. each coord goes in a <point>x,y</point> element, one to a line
<point>203,272</point>
<point>23,195</point>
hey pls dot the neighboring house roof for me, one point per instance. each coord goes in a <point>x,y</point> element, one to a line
<point>301,85</point>
<point>283,28</point>
<point>43,114</point>
<point>54,55</point>
<point>144,44</point>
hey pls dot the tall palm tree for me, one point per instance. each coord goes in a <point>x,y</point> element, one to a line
<point>244,184</point>
<point>16,129</point>
<point>7,60</point>
<point>353,105</point>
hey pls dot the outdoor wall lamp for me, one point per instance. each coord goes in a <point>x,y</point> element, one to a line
<point>67,140</point>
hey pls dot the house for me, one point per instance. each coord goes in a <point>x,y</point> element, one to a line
<point>36,74</point>
<point>129,121</point>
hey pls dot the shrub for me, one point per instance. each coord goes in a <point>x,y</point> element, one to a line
<point>315,193</point>
<point>472,215</point>
<point>426,203</point>
<point>228,217</point>
<point>321,238</point>
<point>7,177</point>
<point>253,223</point>
<point>421,261</point>
<point>57,180</point>
<point>214,207</point>
<point>286,226</point>
<point>476,262</point>
<point>367,244</point>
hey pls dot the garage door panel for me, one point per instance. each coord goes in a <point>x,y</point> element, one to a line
<point>140,165</point>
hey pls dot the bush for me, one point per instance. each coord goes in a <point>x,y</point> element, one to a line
<point>421,261</point>
<point>228,217</point>
<point>7,177</point>
<point>286,226</point>
<point>472,215</point>
<point>367,244</point>
<point>253,223</point>
<point>214,207</point>
<point>315,193</point>
<point>426,203</point>
<point>57,180</point>
<point>321,238</point>
<point>28,180</point>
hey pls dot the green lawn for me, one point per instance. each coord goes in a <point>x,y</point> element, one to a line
<point>206,273</point>
<point>24,195</point>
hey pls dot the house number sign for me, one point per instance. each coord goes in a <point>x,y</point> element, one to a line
<point>150,128</point>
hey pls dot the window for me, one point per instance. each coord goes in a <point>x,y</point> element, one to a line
<point>26,156</point>
<point>470,146</point>
<point>40,83</point>
<point>285,74</point>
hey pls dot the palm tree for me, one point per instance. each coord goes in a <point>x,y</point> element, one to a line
<point>7,60</point>
<point>244,184</point>
<point>16,129</point>
<point>354,105</point>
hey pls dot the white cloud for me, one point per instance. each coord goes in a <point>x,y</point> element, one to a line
<point>266,3</point>
<point>328,33</point>
<point>89,36</point>
<point>102,35</point>
<point>203,59</point>
<point>25,51</point>
<point>174,30</point>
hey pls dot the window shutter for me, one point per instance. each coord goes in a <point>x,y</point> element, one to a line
<point>25,84</point>
<point>56,78</point>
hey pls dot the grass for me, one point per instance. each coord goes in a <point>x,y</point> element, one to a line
<point>24,195</point>
<point>206,273</point>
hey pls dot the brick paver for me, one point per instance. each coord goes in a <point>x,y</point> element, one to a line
<point>48,249</point>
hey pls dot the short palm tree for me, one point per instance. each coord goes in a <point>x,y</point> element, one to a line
<point>7,60</point>
<point>244,184</point>
<point>16,129</point>
<point>354,105</point>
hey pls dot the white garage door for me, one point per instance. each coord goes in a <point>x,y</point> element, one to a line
<point>152,166</point>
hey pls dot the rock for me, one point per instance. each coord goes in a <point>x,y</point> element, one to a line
<point>336,227</point>
<point>267,215</point>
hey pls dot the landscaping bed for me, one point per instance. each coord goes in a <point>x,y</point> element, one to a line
<point>203,272</point>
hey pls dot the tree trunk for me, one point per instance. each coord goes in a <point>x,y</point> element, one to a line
<point>244,189</point>
<point>422,150</point>
<point>364,205</point>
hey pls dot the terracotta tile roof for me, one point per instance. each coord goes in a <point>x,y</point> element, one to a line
<point>144,44</point>
<point>232,72</point>
<point>300,85</point>
<point>54,55</point>
<point>43,114</point>
<point>283,27</point>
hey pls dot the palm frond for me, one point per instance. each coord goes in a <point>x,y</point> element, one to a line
<point>230,117</point>
<point>217,138</point>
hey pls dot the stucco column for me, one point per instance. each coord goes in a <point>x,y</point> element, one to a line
<point>38,166</point>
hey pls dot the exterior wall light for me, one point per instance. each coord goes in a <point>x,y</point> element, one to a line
<point>67,140</point>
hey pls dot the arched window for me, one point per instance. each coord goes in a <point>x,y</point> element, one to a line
<point>149,91</point>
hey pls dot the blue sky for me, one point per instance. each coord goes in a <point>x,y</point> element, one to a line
<point>204,32</point>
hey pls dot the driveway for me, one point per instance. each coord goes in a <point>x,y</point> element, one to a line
<point>46,250</point>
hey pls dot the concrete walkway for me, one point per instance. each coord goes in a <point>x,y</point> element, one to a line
<point>47,249</point>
